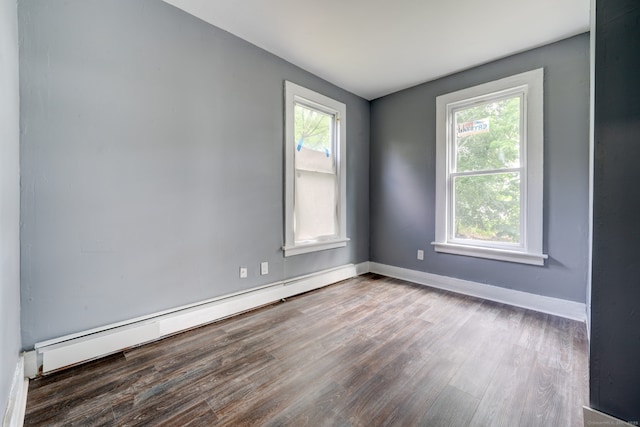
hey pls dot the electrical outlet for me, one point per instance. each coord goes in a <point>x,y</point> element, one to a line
<point>264,268</point>
<point>420,254</point>
<point>243,272</point>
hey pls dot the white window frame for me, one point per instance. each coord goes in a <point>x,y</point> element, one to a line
<point>297,94</point>
<point>530,251</point>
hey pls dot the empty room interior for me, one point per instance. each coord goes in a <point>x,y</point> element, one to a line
<point>338,213</point>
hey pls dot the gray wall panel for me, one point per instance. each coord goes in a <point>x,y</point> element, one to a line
<point>615,324</point>
<point>403,175</point>
<point>152,162</point>
<point>9,199</point>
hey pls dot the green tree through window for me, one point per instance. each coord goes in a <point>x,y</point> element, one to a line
<point>312,129</point>
<point>487,174</point>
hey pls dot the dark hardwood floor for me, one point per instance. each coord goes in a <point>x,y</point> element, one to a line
<point>369,351</point>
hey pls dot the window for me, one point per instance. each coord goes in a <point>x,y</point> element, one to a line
<point>315,171</point>
<point>489,175</point>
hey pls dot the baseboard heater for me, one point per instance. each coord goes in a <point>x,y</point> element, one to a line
<point>64,352</point>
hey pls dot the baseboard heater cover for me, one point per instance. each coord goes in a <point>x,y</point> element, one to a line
<point>63,352</point>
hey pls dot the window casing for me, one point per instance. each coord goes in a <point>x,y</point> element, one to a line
<point>315,171</point>
<point>489,173</point>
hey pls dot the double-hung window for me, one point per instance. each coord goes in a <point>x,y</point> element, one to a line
<point>489,175</point>
<point>315,171</point>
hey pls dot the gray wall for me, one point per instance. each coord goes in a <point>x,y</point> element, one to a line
<point>403,175</point>
<point>152,164</point>
<point>9,199</point>
<point>615,317</point>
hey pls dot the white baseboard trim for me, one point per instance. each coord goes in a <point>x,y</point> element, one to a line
<point>56,354</point>
<point>596,418</point>
<point>557,307</point>
<point>14,413</point>
<point>362,268</point>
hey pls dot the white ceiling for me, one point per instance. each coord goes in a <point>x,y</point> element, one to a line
<point>376,47</point>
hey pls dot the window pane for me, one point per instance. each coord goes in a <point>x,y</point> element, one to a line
<point>487,136</point>
<point>313,140</point>
<point>487,207</point>
<point>315,185</point>
<point>316,205</point>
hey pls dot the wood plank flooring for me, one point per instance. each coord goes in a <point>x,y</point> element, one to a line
<point>370,351</point>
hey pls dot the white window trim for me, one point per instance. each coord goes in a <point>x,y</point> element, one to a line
<point>293,93</point>
<point>531,250</point>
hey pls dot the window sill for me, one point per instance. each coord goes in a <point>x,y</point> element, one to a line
<point>314,246</point>
<point>491,253</point>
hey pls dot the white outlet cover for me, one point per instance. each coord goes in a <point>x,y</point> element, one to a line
<point>264,268</point>
<point>420,254</point>
<point>243,272</point>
